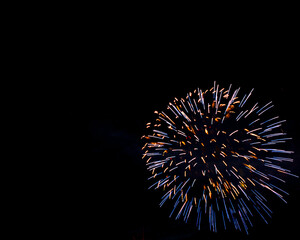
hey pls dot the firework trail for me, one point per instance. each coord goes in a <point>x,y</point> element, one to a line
<point>218,158</point>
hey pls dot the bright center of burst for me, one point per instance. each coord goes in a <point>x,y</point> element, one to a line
<point>209,150</point>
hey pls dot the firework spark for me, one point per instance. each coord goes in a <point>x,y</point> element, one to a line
<point>217,158</point>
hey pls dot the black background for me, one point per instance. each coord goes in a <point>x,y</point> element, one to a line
<point>110,87</point>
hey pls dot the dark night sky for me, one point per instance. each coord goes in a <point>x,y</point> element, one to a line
<point>109,97</point>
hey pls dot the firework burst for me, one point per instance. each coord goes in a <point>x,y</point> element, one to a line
<point>218,158</point>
